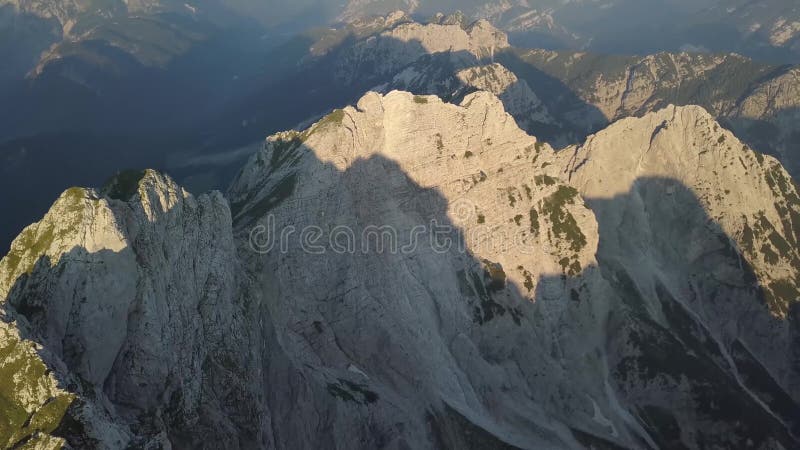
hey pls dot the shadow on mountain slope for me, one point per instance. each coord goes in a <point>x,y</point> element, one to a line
<point>452,347</point>
<point>345,72</point>
<point>562,101</point>
<point>778,136</point>
<point>141,329</point>
<point>423,346</point>
<point>434,333</point>
<point>694,331</point>
<point>683,376</point>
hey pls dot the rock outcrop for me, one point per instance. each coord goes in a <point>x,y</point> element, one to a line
<point>699,233</point>
<point>133,292</point>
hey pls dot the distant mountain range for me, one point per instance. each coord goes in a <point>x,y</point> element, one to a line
<point>521,248</point>
<point>766,29</point>
<point>98,104</point>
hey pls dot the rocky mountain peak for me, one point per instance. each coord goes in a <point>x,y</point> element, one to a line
<point>687,145</point>
<point>117,283</point>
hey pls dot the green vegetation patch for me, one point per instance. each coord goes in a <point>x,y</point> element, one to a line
<point>747,239</point>
<point>528,283</point>
<point>776,247</point>
<point>769,255</point>
<point>493,280</point>
<point>283,151</point>
<point>334,119</point>
<point>528,191</point>
<point>789,204</point>
<point>545,180</point>
<point>283,190</point>
<point>34,241</point>
<point>780,295</point>
<point>512,199</point>
<point>495,275</point>
<point>570,266</point>
<point>563,222</point>
<point>124,185</point>
<point>420,99</point>
<point>533,215</point>
<point>21,371</point>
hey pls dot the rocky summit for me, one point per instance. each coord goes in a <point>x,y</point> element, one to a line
<point>409,273</point>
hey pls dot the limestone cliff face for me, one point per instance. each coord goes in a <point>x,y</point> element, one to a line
<point>410,273</point>
<point>32,403</point>
<point>431,335</point>
<point>133,291</point>
<point>769,114</point>
<point>750,196</point>
<point>700,234</point>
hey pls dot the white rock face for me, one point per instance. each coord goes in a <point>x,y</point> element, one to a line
<point>661,291</point>
<point>453,77</point>
<point>138,301</point>
<point>32,399</point>
<point>695,217</point>
<point>685,144</point>
<point>428,327</point>
<point>393,49</point>
<point>410,273</point>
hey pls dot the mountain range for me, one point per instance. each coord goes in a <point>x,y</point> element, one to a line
<point>764,29</point>
<point>86,113</point>
<point>446,241</point>
<point>636,291</point>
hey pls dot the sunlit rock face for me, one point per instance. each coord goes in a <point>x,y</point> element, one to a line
<point>701,233</point>
<point>453,76</point>
<point>131,291</point>
<point>410,273</point>
<point>470,330</point>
